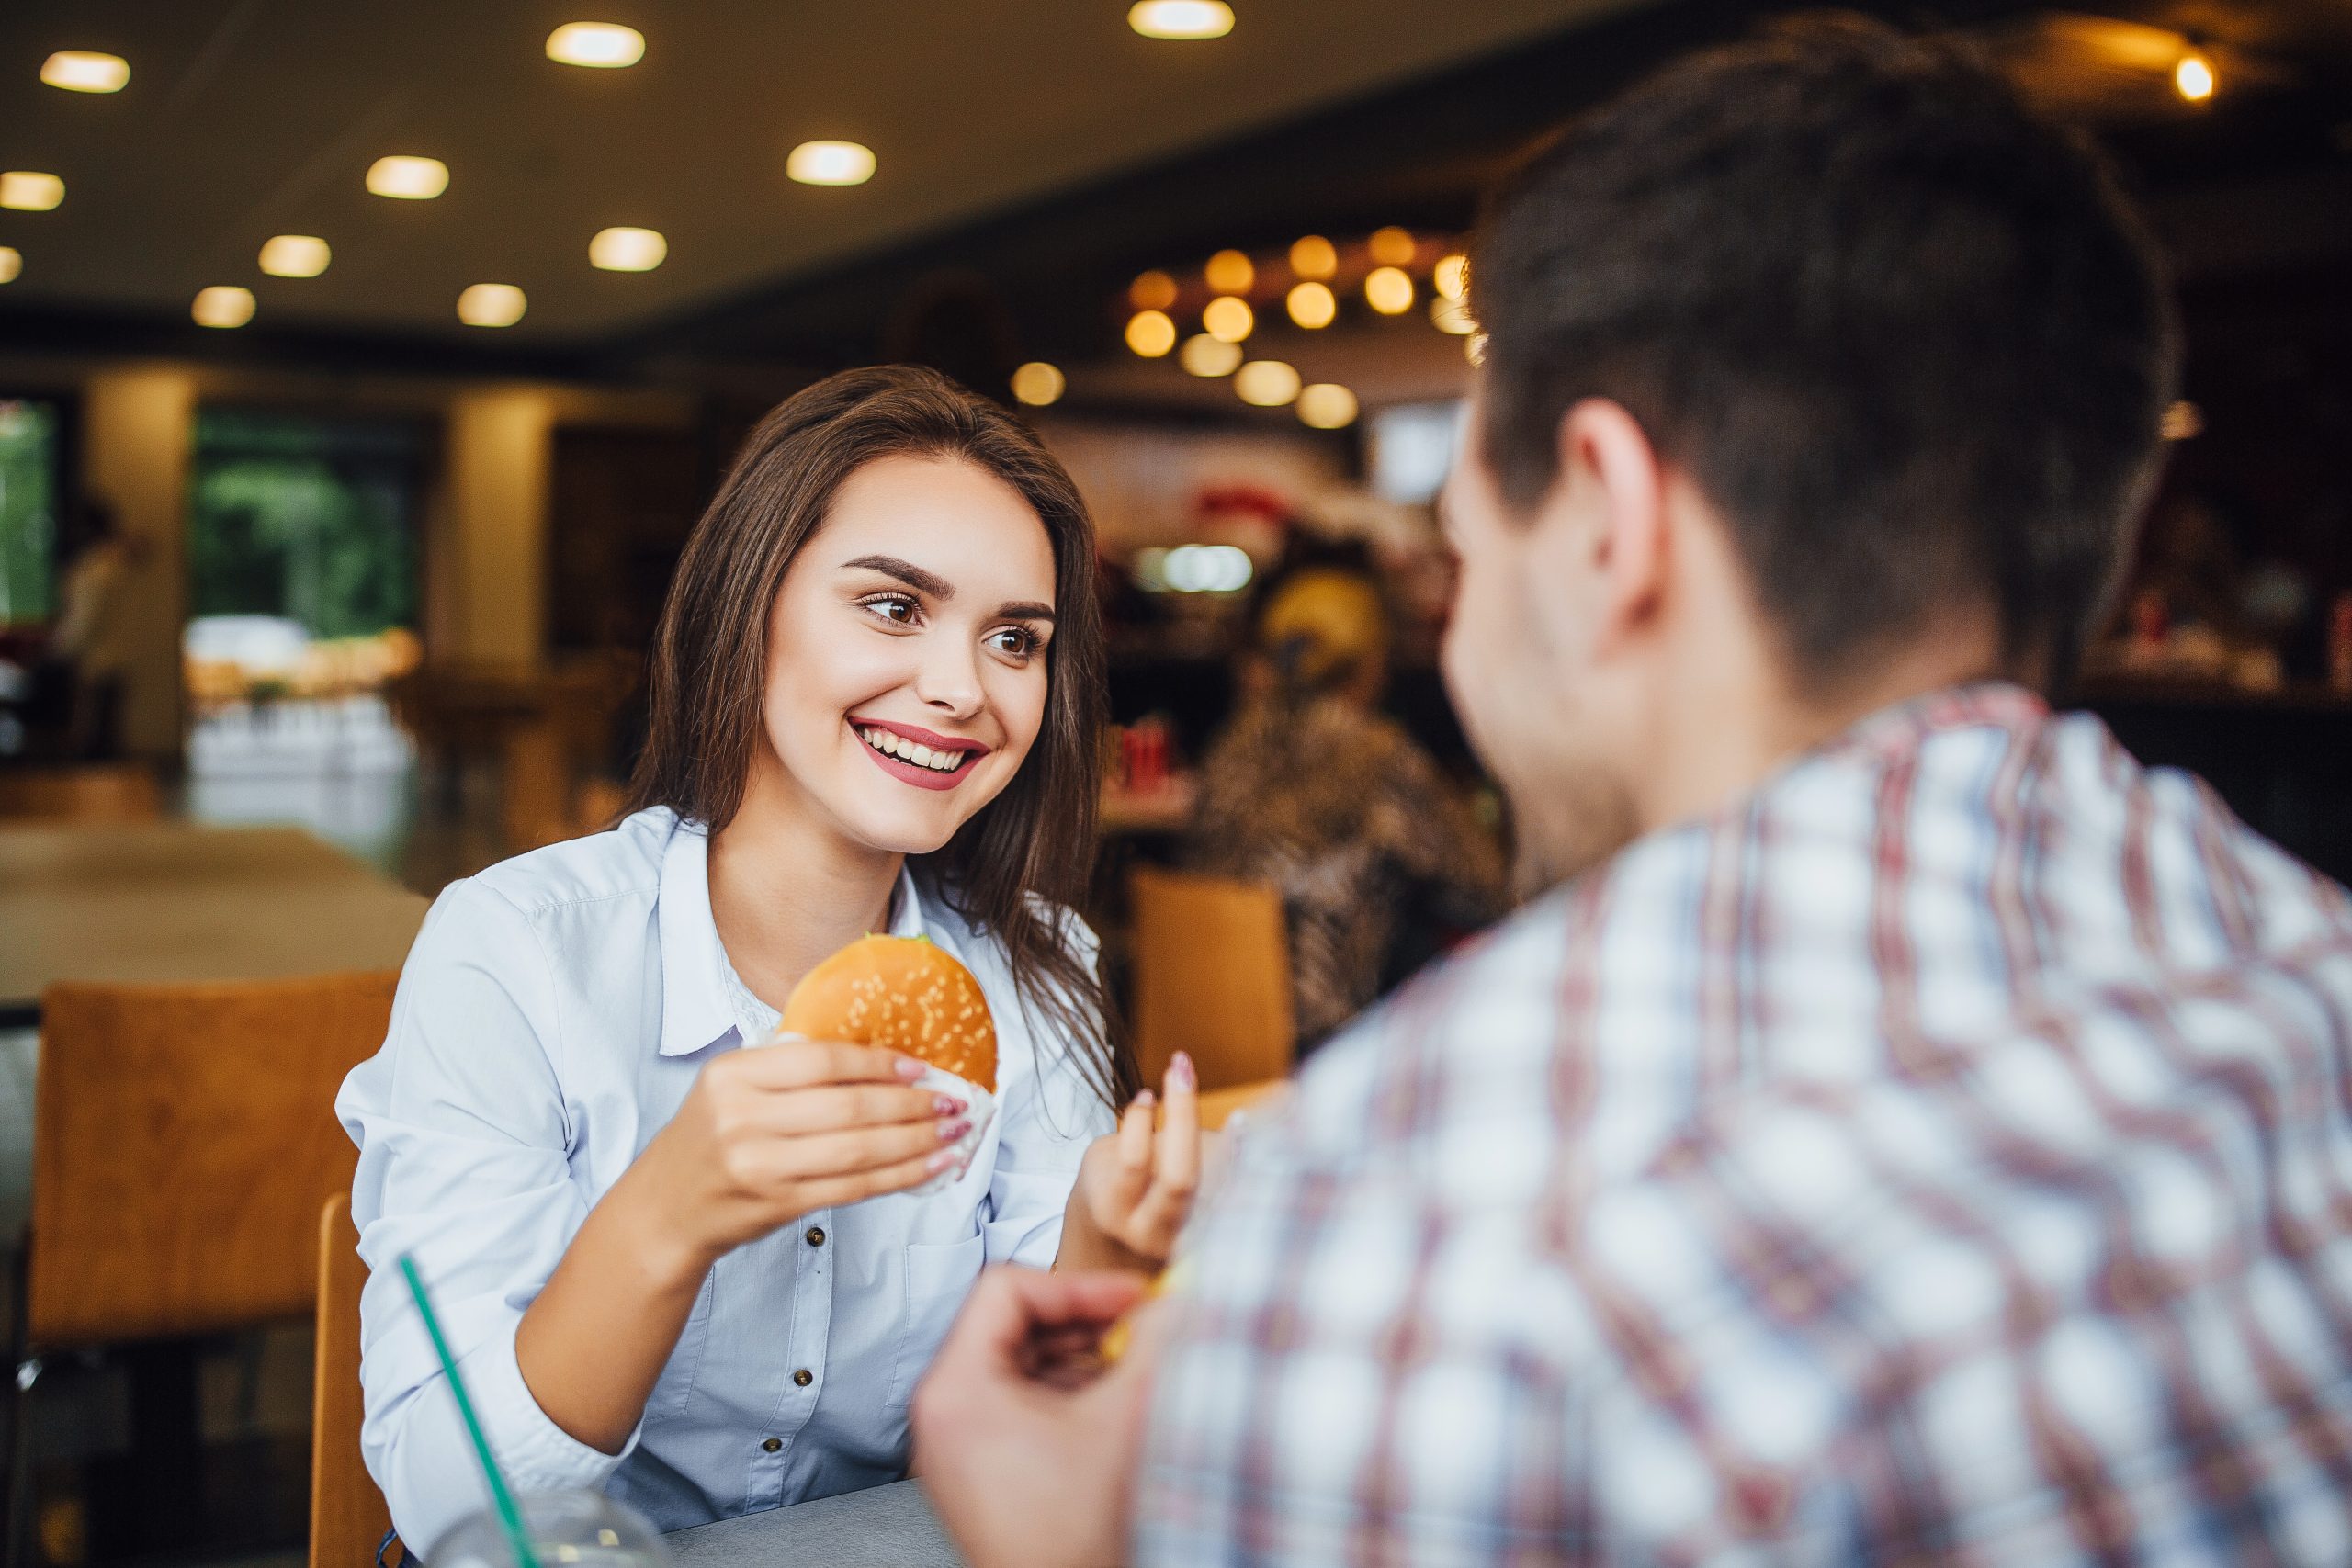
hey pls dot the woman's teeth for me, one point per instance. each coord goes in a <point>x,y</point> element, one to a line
<point>899,746</point>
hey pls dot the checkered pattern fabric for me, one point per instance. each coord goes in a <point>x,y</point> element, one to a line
<point>1942,1154</point>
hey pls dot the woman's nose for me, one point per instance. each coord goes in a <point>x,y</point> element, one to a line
<point>949,679</point>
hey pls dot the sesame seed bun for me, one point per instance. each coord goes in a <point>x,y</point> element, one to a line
<point>900,994</point>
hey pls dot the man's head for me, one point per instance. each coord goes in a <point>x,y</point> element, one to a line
<point>1815,367</point>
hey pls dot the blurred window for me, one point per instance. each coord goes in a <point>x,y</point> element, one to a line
<point>28,490</point>
<point>1412,448</point>
<point>308,519</point>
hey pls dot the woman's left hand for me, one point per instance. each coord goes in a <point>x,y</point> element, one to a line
<point>1134,1189</point>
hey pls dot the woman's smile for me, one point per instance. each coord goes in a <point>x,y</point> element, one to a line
<point>914,755</point>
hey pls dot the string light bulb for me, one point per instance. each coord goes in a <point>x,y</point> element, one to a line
<point>1312,305</point>
<point>1389,290</point>
<point>1038,383</point>
<point>1227,319</point>
<point>2193,78</point>
<point>1151,334</point>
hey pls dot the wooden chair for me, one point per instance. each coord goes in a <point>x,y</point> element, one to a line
<point>100,792</point>
<point>348,1518</point>
<point>1219,1106</point>
<point>1212,976</point>
<point>182,1142</point>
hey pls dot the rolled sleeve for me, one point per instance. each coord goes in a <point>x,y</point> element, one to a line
<point>1048,1114</point>
<point>464,1167</point>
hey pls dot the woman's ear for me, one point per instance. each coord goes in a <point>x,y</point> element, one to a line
<point>1616,489</point>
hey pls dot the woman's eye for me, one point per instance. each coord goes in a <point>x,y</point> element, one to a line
<point>893,608</point>
<point>1013,640</point>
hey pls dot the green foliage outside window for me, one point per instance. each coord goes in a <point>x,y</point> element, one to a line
<point>27,511</point>
<point>308,519</point>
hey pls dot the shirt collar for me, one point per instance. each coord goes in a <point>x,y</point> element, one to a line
<point>697,1010</point>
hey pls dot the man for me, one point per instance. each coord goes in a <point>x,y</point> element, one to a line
<point>1911,1132</point>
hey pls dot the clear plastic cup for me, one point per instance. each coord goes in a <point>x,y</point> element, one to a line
<point>567,1529</point>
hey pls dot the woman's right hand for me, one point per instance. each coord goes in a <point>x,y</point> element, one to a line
<point>776,1131</point>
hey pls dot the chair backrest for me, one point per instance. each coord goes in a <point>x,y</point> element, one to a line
<point>100,792</point>
<point>348,1518</point>
<point>184,1137</point>
<point>1212,976</point>
<point>1219,1106</point>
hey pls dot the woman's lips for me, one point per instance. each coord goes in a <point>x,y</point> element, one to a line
<point>912,772</point>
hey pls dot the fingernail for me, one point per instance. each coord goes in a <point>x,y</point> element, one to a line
<point>1144,1099</point>
<point>946,1105</point>
<point>910,1069</point>
<point>951,1131</point>
<point>1181,1071</point>
<point>941,1160</point>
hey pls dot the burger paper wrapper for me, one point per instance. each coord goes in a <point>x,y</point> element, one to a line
<point>939,1080</point>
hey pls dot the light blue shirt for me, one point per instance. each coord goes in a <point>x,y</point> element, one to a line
<point>551,1017</point>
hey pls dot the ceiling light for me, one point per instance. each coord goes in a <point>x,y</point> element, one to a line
<point>408,179</point>
<point>830,164</point>
<point>11,263</point>
<point>1311,305</point>
<point>1206,355</point>
<point>1326,405</point>
<point>1266,383</point>
<point>491,305</point>
<point>85,71</point>
<point>1153,290</point>
<point>1038,383</point>
<point>294,255</point>
<point>1452,316</point>
<point>1151,334</point>
<point>1314,256</point>
<point>1451,277</point>
<point>26,191</point>
<point>1181,19</point>
<point>1390,290</point>
<point>627,250</point>
<point>2193,78</point>
<point>1230,271</point>
<point>608,45</point>
<point>1227,319</point>
<point>222,307</point>
<point>1392,246</point>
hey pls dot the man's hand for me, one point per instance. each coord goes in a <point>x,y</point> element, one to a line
<point>1025,1446</point>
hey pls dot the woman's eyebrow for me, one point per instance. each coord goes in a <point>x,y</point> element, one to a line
<point>914,576</point>
<point>1027,613</point>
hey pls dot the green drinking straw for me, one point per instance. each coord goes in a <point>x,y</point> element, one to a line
<point>508,1515</point>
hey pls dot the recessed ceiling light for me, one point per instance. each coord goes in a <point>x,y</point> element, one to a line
<point>24,191</point>
<point>1312,305</point>
<point>294,255</point>
<point>223,306</point>
<point>1150,333</point>
<point>1038,383</point>
<point>1452,316</point>
<point>1266,383</point>
<point>407,178</point>
<point>1181,19</point>
<point>627,250</point>
<point>1206,355</point>
<point>11,263</point>
<point>2193,78</point>
<point>606,45</point>
<point>491,305</point>
<point>1326,405</point>
<point>1453,276</point>
<point>1230,271</point>
<point>1392,246</point>
<point>1227,319</point>
<point>85,71</point>
<point>830,164</point>
<point>1153,290</point>
<point>1389,289</point>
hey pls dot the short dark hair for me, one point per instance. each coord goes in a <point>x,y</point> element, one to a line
<point>1905,333</point>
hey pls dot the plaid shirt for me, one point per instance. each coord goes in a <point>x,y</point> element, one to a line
<point>1942,1154</point>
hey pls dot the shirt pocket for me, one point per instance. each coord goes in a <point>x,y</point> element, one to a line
<point>936,1277</point>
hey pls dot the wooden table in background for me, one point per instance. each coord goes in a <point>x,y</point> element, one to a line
<point>174,901</point>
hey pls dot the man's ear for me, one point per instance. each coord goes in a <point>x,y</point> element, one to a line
<point>1607,460</point>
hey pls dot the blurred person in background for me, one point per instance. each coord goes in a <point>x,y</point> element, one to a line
<point>1910,1131</point>
<point>90,650</point>
<point>1312,790</point>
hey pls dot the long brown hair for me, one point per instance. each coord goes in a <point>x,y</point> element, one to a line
<point>1026,853</point>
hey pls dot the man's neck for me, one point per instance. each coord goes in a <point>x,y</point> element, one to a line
<point>1742,720</point>
<point>788,891</point>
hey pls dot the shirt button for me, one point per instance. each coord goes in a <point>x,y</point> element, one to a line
<point>815,1236</point>
<point>772,1444</point>
<point>804,1377</point>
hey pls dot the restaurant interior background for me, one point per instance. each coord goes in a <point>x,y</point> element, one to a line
<point>405,353</point>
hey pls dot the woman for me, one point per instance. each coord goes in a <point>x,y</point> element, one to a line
<point>698,1275</point>
<point>1312,790</point>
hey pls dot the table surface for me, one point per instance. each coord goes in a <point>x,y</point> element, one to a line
<point>177,901</point>
<point>888,1527</point>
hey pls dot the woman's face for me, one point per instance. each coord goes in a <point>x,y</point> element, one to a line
<point>906,666</point>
